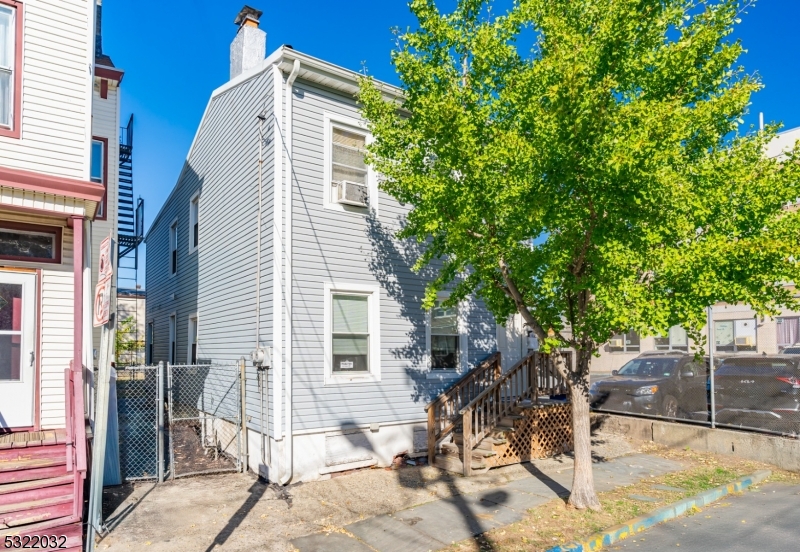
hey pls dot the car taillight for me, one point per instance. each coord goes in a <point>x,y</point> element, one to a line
<point>794,382</point>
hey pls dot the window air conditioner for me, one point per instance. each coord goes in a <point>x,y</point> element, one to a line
<point>353,193</point>
<point>746,341</point>
<point>618,343</point>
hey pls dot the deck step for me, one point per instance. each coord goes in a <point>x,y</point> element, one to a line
<point>510,419</point>
<point>503,429</point>
<point>457,451</point>
<point>65,479</point>
<point>32,457</point>
<point>11,477</point>
<point>36,498</point>
<point>72,532</point>
<point>35,514</point>
<point>453,464</point>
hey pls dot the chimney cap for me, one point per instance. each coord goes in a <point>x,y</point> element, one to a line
<point>246,14</point>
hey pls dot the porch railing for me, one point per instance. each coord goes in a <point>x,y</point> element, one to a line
<point>75,418</point>
<point>443,411</point>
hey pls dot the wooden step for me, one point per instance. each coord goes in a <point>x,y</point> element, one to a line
<point>453,464</point>
<point>510,419</point>
<point>10,502</point>
<point>489,442</point>
<point>72,532</point>
<point>483,453</point>
<point>40,513</point>
<point>32,457</point>
<point>503,429</point>
<point>35,484</point>
<point>12,477</point>
<point>451,449</point>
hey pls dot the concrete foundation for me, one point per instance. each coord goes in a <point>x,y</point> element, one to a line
<point>782,452</point>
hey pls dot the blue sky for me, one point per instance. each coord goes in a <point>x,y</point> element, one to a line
<point>175,56</point>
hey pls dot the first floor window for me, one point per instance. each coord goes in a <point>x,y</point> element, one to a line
<point>29,242</point>
<point>193,340</point>
<point>150,342</point>
<point>445,338</point>
<point>675,340</point>
<point>350,337</point>
<point>172,339</point>
<point>629,342</point>
<point>733,336</point>
<point>788,330</point>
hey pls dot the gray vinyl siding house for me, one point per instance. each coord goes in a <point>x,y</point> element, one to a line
<point>309,249</point>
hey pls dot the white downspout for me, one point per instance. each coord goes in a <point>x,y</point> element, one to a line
<point>289,445</point>
<point>277,252</point>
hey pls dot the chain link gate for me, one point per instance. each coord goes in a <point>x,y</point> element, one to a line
<point>204,419</point>
<point>137,411</point>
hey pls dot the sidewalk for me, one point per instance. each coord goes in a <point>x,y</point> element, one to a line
<point>437,524</point>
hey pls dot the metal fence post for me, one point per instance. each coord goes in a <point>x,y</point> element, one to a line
<point>160,447</point>
<point>243,413</point>
<point>169,424</point>
<point>712,391</point>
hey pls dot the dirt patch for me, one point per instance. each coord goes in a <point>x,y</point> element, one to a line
<point>190,454</point>
<point>556,523</point>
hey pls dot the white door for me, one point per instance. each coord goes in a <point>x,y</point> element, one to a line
<point>17,342</point>
<point>512,341</point>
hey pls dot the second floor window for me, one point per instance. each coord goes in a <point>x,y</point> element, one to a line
<point>194,223</point>
<point>349,175</point>
<point>173,248</point>
<point>98,172</point>
<point>8,65</point>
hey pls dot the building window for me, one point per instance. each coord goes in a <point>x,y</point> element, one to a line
<point>99,171</point>
<point>788,330</point>
<point>734,336</point>
<point>172,338</point>
<point>348,182</point>
<point>192,351</point>
<point>445,349</point>
<point>625,343</point>
<point>10,70</point>
<point>29,242</point>
<point>352,342</point>
<point>194,223</point>
<point>173,248</point>
<point>151,337</point>
<point>676,340</point>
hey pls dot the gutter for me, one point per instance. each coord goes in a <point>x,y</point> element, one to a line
<point>289,456</point>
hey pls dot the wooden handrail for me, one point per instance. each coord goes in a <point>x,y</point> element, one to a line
<point>443,411</point>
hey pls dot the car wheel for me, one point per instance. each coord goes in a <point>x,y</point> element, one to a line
<point>670,407</point>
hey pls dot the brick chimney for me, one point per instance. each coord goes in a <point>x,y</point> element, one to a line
<point>249,47</point>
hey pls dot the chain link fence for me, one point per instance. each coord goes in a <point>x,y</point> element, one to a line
<point>178,420</point>
<point>204,404</point>
<point>752,392</point>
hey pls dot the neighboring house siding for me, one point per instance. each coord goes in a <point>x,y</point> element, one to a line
<point>56,90</point>
<point>105,124</point>
<point>56,332</point>
<point>333,246</point>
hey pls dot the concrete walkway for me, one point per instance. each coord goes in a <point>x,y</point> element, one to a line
<point>437,524</point>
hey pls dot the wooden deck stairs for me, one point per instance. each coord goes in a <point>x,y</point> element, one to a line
<point>41,482</point>
<point>509,417</point>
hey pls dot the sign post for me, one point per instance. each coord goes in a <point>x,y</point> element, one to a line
<point>105,318</point>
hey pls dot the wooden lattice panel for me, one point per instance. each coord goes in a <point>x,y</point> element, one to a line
<point>544,431</point>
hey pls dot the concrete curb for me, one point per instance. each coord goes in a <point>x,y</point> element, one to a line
<point>639,524</point>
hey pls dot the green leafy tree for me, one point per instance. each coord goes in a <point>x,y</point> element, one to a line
<point>593,179</point>
<point>128,349</point>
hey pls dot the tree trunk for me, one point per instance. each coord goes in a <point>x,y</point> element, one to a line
<point>583,494</point>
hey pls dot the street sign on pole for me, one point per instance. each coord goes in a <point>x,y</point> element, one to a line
<point>102,293</point>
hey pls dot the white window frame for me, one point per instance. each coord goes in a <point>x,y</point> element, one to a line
<point>351,124</point>
<point>735,346</point>
<point>463,342</point>
<point>194,218</point>
<point>173,338</point>
<point>625,345</point>
<point>192,320</point>
<point>12,125</point>
<point>374,305</point>
<point>670,346</point>
<point>170,249</point>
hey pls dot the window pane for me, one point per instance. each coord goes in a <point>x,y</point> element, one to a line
<point>745,335</point>
<point>346,173</point>
<point>347,156</point>
<point>350,314</point>
<point>10,307</point>
<point>5,98</point>
<point>6,37</point>
<point>97,161</point>
<point>662,343</point>
<point>27,244</point>
<point>352,140</point>
<point>723,335</point>
<point>444,352</point>
<point>350,354</point>
<point>444,321</point>
<point>10,357</point>
<point>632,342</point>
<point>788,331</point>
<point>617,343</point>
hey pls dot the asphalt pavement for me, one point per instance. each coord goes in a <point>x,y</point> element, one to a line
<point>764,519</point>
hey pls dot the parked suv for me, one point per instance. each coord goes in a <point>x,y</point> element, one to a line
<point>759,391</point>
<point>793,350</point>
<point>670,384</point>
